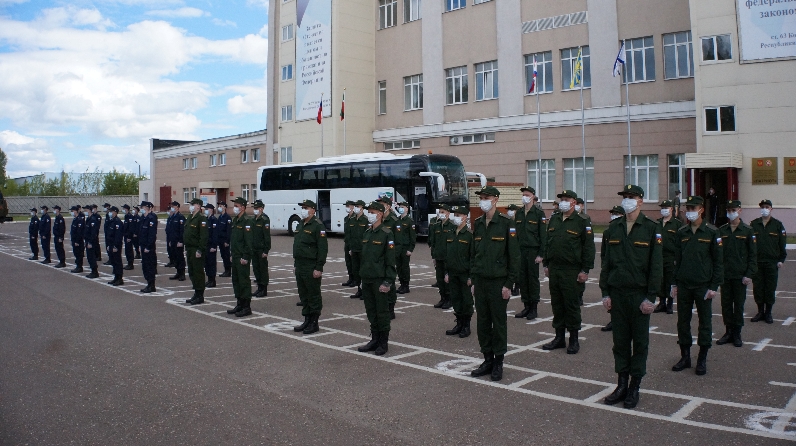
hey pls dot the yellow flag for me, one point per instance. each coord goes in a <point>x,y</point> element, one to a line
<point>577,75</point>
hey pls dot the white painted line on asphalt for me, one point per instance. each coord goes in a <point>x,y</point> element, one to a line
<point>776,383</point>
<point>527,380</point>
<point>406,355</point>
<point>762,344</point>
<point>687,409</point>
<point>789,321</point>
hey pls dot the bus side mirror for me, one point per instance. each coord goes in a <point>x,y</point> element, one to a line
<point>481,176</point>
<point>439,177</point>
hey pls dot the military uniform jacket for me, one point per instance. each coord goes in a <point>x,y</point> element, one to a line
<point>357,227</point>
<point>76,230</point>
<point>175,228</point>
<point>531,229</point>
<point>92,228</point>
<point>33,226</point>
<point>224,228</point>
<point>496,254</point>
<point>59,227</point>
<point>261,234</point>
<point>460,252</point>
<point>129,225</point>
<point>740,251</point>
<point>310,243</point>
<point>45,226</point>
<point>240,240</point>
<point>378,256</point>
<point>106,228</point>
<point>771,240</point>
<point>148,231</point>
<point>114,233</point>
<point>430,238</point>
<point>347,233</point>
<point>632,261</point>
<point>195,234</point>
<point>570,243</point>
<point>699,260</point>
<point>670,239</point>
<point>441,230</point>
<point>405,233</point>
<point>212,232</point>
<point>389,221</point>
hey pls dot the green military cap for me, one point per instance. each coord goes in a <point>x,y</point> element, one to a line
<point>349,203</point>
<point>463,210</point>
<point>385,199</point>
<point>666,204</point>
<point>568,194</point>
<point>258,204</point>
<point>618,210</point>
<point>308,204</point>
<point>513,207</point>
<point>528,189</point>
<point>696,200</point>
<point>444,207</point>
<point>632,189</point>
<point>734,203</point>
<point>579,200</point>
<point>766,203</point>
<point>376,205</point>
<point>491,191</point>
<point>240,200</point>
<point>360,203</point>
<point>196,201</point>
<point>403,203</point>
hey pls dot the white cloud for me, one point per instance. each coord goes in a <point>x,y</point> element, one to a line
<point>260,3</point>
<point>250,99</point>
<point>263,31</point>
<point>184,12</point>
<point>220,22</point>
<point>107,157</point>
<point>26,155</point>
<point>71,16</point>
<point>11,2</point>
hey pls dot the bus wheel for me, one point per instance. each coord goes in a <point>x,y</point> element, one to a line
<point>292,225</point>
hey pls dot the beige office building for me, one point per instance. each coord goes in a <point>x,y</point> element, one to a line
<point>453,77</point>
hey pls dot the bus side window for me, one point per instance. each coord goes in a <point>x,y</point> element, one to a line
<point>290,178</point>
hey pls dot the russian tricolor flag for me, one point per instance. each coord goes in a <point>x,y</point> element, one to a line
<point>533,81</point>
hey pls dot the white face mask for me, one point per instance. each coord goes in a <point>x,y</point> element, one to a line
<point>105,209</point>
<point>74,214</point>
<point>112,214</point>
<point>614,216</point>
<point>135,212</point>
<point>372,218</point>
<point>443,216</point>
<point>192,208</point>
<point>629,205</point>
<point>221,209</point>
<point>577,208</point>
<point>173,209</point>
<point>765,212</point>
<point>207,212</point>
<point>32,214</point>
<point>349,209</point>
<point>456,220</point>
<point>485,205</point>
<point>236,210</point>
<point>304,213</point>
<point>256,212</point>
<point>665,212</point>
<point>85,213</point>
<point>732,215</point>
<point>564,206</point>
<point>692,216</point>
<point>511,214</point>
<point>400,210</point>
<point>124,211</point>
<point>358,210</point>
<point>526,199</point>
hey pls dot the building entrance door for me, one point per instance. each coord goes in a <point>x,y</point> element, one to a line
<point>165,198</point>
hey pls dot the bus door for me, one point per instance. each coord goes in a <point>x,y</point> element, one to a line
<point>325,208</point>
<point>420,206</point>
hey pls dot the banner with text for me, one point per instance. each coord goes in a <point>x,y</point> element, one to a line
<point>313,58</point>
<point>767,29</point>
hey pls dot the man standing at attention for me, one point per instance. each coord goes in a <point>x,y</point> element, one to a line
<point>532,233</point>
<point>76,237</point>
<point>771,254</point>
<point>310,248</point>
<point>195,237</point>
<point>242,252</point>
<point>357,225</point>
<point>261,244</point>
<point>669,227</point>
<point>740,265</point>
<point>147,237</point>
<point>405,240</point>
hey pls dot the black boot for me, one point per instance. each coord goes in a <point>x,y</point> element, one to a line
<point>169,265</point>
<point>347,282</point>
<point>669,305</point>
<point>200,298</point>
<point>435,285</point>
<point>35,257</point>
<point>357,295</point>
<point>465,326</point>
<point>761,313</point>
<point>226,273</point>
<point>620,393</point>
<point>180,276</point>
<point>78,269</point>
<point>661,306</point>
<point>632,393</point>
<point>736,337</point>
<point>119,281</point>
<point>440,303</point>
<point>685,360</point>
<point>150,287</point>
<point>138,255</point>
<point>299,304</point>
<point>246,310</point>
<point>238,307</point>
<point>129,267</point>
<point>497,368</point>
<point>60,265</point>
<point>486,367</point>
<point>312,327</point>
<point>265,291</point>
<point>94,274</point>
<point>559,341</point>
<point>404,288</point>
<point>211,283</point>
<point>456,329</point>
<point>260,292</point>
<point>727,336</point>
<point>384,337</point>
<point>372,345</point>
<point>702,361</point>
<point>580,300</point>
<point>447,304</point>
<point>524,311</point>
<point>533,313</point>
<point>392,311</point>
<point>608,327</point>
<point>574,345</point>
<point>193,298</point>
<point>303,325</point>
<point>769,317</point>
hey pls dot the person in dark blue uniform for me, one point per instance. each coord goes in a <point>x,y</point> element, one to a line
<point>98,223</point>
<point>129,231</point>
<point>76,235</point>
<point>174,233</point>
<point>115,230</point>
<point>224,234</point>
<point>211,260</point>
<point>147,236</point>
<point>136,227</point>
<point>107,208</point>
<point>33,232</point>
<point>91,238</point>
<point>169,249</point>
<point>45,233</point>
<point>59,231</point>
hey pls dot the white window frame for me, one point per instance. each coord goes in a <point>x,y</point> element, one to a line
<point>714,42</point>
<point>244,156</point>
<point>244,191</point>
<point>413,92</point>
<point>456,84</point>
<point>412,10</point>
<point>255,155</point>
<point>680,166</point>
<point>287,72</point>
<point>253,192</point>
<point>287,113</point>
<point>194,163</point>
<point>574,182</point>
<point>455,5</point>
<point>285,155</point>
<point>718,110</point>
<point>186,195</point>
<point>569,61</point>
<point>641,51</point>
<point>679,42</point>
<point>644,171</point>
<point>478,2</point>
<point>402,145</point>
<point>222,159</point>
<point>486,81</point>
<point>544,62</point>
<point>287,32</point>
<point>473,138</point>
<point>193,194</point>
<point>186,163</point>
<point>388,13</point>
<point>213,159</point>
<point>382,85</point>
<point>546,188</point>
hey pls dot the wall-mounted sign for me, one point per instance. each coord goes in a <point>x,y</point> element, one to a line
<point>764,171</point>
<point>313,58</point>
<point>766,29</point>
<point>790,170</point>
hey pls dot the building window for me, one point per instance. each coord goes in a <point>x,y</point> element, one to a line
<point>383,97</point>
<point>411,10</point>
<point>544,72</point>
<point>254,192</point>
<point>255,155</point>
<point>222,159</point>
<point>287,113</point>
<point>486,81</point>
<point>244,191</point>
<point>213,160</point>
<point>477,138</point>
<point>186,163</point>
<point>456,85</point>
<point>388,12</point>
<point>676,173</point>
<point>451,5</point>
<point>287,32</point>
<point>146,196</point>
<point>546,184</point>
<point>287,72</point>
<point>193,193</point>
<point>639,60</point>
<point>716,48</point>
<point>244,156</point>
<point>194,163</point>
<point>186,195</point>
<point>678,55</point>
<point>413,92</point>
<point>478,2</point>
<point>573,177</point>
<point>720,119</point>
<point>643,171</point>
<point>286,155</point>
<point>402,145</point>
<point>568,58</point>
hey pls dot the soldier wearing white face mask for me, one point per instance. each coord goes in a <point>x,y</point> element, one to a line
<point>771,254</point>
<point>669,227</point>
<point>175,229</point>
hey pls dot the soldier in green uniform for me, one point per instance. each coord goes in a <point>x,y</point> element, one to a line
<point>579,208</point>
<point>440,231</point>
<point>261,246</point>
<point>390,221</point>
<point>699,271</point>
<point>357,225</point>
<point>310,247</point>
<point>511,211</point>
<point>430,240</point>
<point>669,227</point>
<point>349,209</point>
<point>740,265</point>
<point>567,261</point>
<point>616,212</point>
<point>532,234</point>
<point>630,278</point>
<point>495,268</point>
<point>405,241</point>
<point>459,252</point>
<point>771,254</point>
<point>240,246</point>
<point>195,238</point>
<point>378,276</point>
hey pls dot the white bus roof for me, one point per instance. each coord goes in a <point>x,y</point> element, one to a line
<point>363,157</point>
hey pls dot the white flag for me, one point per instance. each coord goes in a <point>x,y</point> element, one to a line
<point>620,60</point>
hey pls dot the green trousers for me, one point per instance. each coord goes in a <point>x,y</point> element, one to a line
<point>196,269</point>
<point>309,289</point>
<point>564,297</point>
<point>631,331</point>
<point>491,315</point>
<point>687,298</point>
<point>402,263</point>
<point>241,279</point>
<point>765,283</point>
<point>668,279</point>
<point>529,275</point>
<point>439,269</point>
<point>733,299</point>
<point>376,306</point>
<point>356,261</point>
<point>461,297</point>
<point>260,267</point>
<point>348,263</point>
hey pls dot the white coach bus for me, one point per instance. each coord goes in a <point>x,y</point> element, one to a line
<point>423,181</point>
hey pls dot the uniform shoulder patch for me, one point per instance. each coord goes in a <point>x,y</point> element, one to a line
<point>504,216</point>
<point>718,241</point>
<point>710,226</point>
<point>512,232</point>
<point>683,228</point>
<point>323,233</point>
<point>391,244</point>
<point>659,239</point>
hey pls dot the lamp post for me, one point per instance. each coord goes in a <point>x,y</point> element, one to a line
<point>139,168</point>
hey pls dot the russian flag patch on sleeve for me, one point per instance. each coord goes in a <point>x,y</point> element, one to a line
<point>658,238</point>
<point>588,229</point>
<point>513,232</point>
<point>718,241</point>
<point>323,233</point>
<point>391,244</point>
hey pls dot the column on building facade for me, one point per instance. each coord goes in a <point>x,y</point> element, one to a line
<point>509,46</point>
<point>433,80</point>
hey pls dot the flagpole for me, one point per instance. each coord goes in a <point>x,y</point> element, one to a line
<point>583,130</point>
<point>627,99</point>
<point>345,125</point>
<point>539,138</point>
<point>321,125</point>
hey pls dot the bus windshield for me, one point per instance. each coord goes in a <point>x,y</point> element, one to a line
<point>452,170</point>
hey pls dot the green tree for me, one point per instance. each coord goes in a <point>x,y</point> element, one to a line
<point>3,162</point>
<point>120,183</point>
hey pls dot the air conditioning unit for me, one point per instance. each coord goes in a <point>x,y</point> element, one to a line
<point>455,140</point>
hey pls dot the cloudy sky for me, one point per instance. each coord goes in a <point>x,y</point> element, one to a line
<point>85,84</point>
